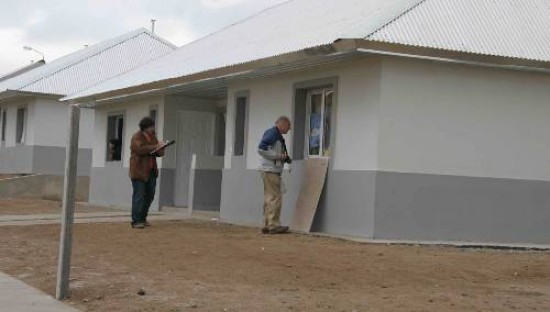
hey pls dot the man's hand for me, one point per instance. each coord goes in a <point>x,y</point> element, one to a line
<point>159,145</point>
<point>282,157</point>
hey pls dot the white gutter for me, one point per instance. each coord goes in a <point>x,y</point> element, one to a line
<point>455,61</point>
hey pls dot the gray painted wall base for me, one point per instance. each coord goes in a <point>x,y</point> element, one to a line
<point>16,159</point>
<point>111,187</point>
<point>208,184</point>
<point>436,208</point>
<point>51,160</point>
<point>166,187</point>
<point>41,160</point>
<point>401,206</point>
<point>47,187</point>
<point>347,208</point>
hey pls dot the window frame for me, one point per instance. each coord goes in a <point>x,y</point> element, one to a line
<point>3,126</point>
<point>20,139</point>
<point>323,92</point>
<point>107,139</point>
<point>246,96</point>
<point>154,108</point>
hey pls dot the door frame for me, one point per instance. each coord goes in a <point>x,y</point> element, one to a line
<point>211,146</point>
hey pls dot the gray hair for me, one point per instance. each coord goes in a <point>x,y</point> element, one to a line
<point>282,119</point>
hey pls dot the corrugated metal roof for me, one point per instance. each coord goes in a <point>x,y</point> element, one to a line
<point>22,70</point>
<point>291,26</point>
<point>510,28</point>
<point>89,66</point>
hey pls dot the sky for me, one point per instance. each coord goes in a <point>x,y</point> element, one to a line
<point>59,27</point>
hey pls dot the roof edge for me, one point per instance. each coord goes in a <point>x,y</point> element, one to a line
<point>337,47</point>
<point>115,42</point>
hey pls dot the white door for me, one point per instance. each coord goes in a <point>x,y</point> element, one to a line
<point>195,136</point>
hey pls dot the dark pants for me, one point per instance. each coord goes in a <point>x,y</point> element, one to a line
<point>144,193</point>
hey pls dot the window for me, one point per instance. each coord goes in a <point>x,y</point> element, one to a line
<point>3,120</point>
<point>220,133</point>
<point>319,111</point>
<point>115,130</point>
<point>240,125</point>
<point>153,113</point>
<point>20,125</point>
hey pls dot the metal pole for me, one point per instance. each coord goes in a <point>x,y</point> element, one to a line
<point>69,189</point>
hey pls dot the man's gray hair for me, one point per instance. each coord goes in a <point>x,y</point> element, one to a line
<point>282,119</point>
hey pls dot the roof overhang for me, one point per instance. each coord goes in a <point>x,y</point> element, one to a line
<point>17,94</point>
<point>345,49</point>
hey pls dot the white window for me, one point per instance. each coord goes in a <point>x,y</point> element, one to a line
<point>20,125</point>
<point>318,131</point>
<point>3,120</point>
<point>115,131</point>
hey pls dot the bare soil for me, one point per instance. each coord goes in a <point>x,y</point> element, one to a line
<point>6,176</point>
<point>19,206</point>
<point>207,266</point>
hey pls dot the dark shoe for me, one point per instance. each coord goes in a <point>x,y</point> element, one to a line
<point>278,230</point>
<point>146,223</point>
<point>138,225</point>
<point>265,230</point>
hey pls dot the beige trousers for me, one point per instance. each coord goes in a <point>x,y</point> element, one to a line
<point>273,199</point>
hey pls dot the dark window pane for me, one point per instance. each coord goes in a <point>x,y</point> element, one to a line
<point>4,118</point>
<point>327,123</point>
<point>315,123</point>
<point>115,130</point>
<point>20,130</point>
<point>240,120</point>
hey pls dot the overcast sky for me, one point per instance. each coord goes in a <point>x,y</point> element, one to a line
<point>59,27</point>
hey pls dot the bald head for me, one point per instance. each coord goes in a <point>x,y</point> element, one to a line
<point>283,124</point>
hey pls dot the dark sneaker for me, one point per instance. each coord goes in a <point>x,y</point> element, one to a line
<point>278,230</point>
<point>265,230</point>
<point>138,225</point>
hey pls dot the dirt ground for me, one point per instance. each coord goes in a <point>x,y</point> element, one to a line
<point>207,266</point>
<point>6,176</point>
<point>18,206</point>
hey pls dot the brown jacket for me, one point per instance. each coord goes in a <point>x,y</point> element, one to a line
<point>140,159</point>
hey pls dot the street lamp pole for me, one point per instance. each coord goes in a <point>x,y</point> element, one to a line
<point>27,48</point>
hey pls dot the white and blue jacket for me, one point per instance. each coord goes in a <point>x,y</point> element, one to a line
<point>271,146</point>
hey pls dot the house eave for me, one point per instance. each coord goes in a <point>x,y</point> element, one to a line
<point>343,49</point>
<point>17,94</point>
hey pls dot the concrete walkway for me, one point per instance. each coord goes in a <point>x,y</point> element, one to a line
<point>16,296</point>
<point>101,217</point>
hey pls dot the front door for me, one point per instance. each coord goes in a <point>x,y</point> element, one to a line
<point>195,136</point>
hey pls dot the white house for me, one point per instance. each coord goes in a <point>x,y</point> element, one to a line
<point>435,117</point>
<point>33,122</point>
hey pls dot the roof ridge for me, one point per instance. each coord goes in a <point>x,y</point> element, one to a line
<point>114,42</point>
<point>397,17</point>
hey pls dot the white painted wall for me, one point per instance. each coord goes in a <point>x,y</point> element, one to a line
<point>11,120</point>
<point>356,112</point>
<point>52,124</point>
<point>47,123</point>
<point>133,112</point>
<point>458,120</point>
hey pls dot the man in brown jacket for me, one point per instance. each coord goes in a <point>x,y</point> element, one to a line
<point>144,170</point>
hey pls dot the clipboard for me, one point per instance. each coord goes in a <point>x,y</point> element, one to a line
<point>166,144</point>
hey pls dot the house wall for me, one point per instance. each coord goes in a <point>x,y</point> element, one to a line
<point>43,151</point>
<point>109,181</point>
<point>463,154</point>
<point>16,158</point>
<point>354,151</point>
